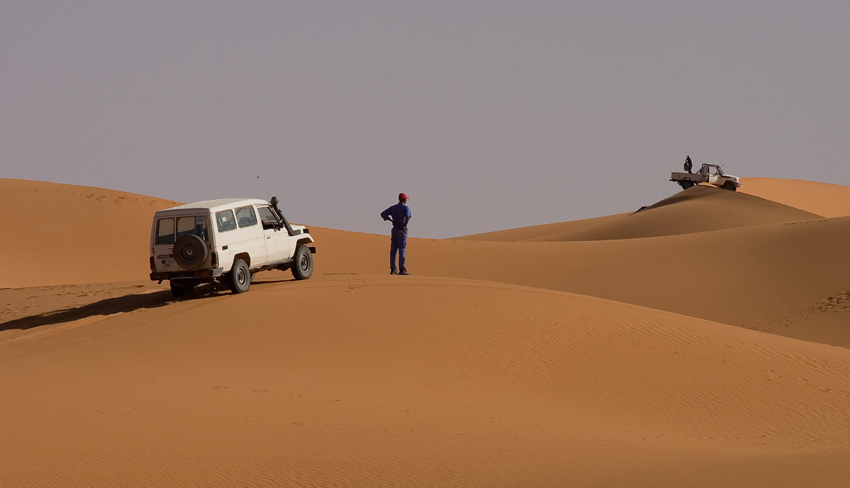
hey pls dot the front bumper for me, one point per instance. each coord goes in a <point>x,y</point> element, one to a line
<point>200,274</point>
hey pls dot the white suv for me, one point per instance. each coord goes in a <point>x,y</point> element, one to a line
<point>226,241</point>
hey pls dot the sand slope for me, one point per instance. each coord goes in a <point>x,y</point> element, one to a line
<point>545,230</point>
<point>748,276</point>
<point>62,234</point>
<point>468,384</point>
<point>820,198</point>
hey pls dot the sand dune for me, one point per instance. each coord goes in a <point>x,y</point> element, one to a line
<point>699,209</point>
<point>468,384</point>
<point>545,230</point>
<point>757,276</point>
<point>770,277</point>
<point>61,234</point>
<point>819,198</point>
<point>501,362</point>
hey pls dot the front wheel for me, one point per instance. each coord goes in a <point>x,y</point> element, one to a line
<point>302,267</point>
<point>239,278</point>
<point>730,185</point>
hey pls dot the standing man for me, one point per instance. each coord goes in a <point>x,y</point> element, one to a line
<point>399,215</point>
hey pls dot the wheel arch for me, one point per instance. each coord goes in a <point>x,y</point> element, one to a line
<point>302,242</point>
<point>244,256</point>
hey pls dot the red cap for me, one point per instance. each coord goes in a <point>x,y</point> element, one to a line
<point>402,196</point>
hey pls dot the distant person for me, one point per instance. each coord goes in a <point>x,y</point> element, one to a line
<point>399,215</point>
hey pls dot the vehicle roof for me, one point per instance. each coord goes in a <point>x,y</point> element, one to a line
<point>216,205</point>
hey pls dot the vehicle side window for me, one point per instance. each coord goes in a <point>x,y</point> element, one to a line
<point>224,220</point>
<point>192,225</point>
<point>165,231</point>
<point>246,216</point>
<point>267,216</point>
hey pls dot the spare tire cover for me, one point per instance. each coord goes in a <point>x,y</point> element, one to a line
<point>190,252</point>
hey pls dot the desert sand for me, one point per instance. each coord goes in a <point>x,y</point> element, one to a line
<point>699,342</point>
<point>50,228</point>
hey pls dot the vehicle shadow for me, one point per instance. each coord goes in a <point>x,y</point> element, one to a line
<point>108,306</point>
<point>122,304</point>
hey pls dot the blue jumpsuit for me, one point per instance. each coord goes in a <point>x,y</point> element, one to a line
<point>399,215</point>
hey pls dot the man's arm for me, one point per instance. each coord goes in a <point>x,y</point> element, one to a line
<point>406,218</point>
<point>386,214</point>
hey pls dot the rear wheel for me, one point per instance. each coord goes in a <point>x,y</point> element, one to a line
<point>239,278</point>
<point>302,267</point>
<point>730,185</point>
<point>686,184</point>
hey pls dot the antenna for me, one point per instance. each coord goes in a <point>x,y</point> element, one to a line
<point>262,185</point>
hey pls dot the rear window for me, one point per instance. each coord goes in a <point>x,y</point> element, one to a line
<point>165,231</point>
<point>192,225</point>
<point>246,216</point>
<point>224,220</point>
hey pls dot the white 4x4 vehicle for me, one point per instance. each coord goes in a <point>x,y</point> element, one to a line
<point>226,241</point>
<point>707,173</point>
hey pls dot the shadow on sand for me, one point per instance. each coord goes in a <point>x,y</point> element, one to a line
<point>122,304</point>
<point>127,303</point>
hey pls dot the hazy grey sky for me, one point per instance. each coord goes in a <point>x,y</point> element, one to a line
<point>489,114</point>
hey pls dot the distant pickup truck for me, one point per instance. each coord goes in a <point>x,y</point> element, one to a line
<point>708,173</point>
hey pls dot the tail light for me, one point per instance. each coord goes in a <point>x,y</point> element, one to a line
<point>153,265</point>
<point>214,260</point>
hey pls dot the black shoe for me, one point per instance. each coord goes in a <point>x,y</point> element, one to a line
<point>404,272</point>
<point>393,272</point>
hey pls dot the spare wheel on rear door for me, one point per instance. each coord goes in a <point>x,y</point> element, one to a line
<point>190,252</point>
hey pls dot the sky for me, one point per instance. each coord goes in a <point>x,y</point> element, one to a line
<point>488,114</point>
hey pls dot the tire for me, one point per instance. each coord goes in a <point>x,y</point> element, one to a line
<point>730,186</point>
<point>239,278</point>
<point>190,252</point>
<point>181,289</point>
<point>302,266</point>
<point>685,184</point>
